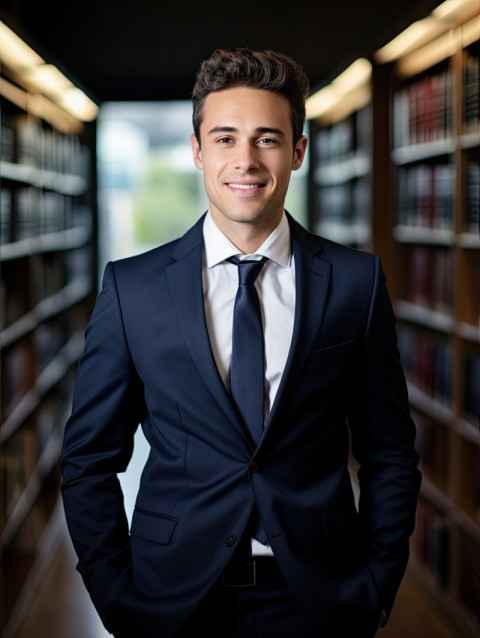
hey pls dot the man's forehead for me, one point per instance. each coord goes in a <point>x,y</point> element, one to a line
<point>263,109</point>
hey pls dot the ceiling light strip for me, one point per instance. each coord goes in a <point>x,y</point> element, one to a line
<point>35,75</point>
<point>41,107</point>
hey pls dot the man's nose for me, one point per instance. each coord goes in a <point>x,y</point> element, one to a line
<point>246,156</point>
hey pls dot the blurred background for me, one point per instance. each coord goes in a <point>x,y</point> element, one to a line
<point>95,164</point>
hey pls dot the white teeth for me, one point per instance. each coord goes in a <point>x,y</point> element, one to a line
<point>244,186</point>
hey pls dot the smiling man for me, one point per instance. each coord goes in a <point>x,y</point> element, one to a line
<point>250,351</point>
<point>247,161</point>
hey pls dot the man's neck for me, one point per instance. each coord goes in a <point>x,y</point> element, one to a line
<point>247,236</point>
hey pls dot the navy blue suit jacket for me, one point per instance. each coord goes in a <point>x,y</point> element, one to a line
<point>148,360</point>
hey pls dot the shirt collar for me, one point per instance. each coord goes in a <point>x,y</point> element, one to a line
<point>218,247</point>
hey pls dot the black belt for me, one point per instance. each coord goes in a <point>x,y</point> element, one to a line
<point>251,573</point>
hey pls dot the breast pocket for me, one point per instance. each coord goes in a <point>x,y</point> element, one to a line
<point>344,349</point>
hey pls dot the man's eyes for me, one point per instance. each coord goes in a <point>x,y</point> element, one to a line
<point>263,141</point>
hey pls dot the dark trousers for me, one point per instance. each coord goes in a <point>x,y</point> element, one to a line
<point>263,611</point>
<point>267,610</point>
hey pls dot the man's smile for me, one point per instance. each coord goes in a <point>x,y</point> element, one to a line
<point>241,186</point>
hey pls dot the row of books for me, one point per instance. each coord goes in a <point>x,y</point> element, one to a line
<point>425,195</point>
<point>432,445</point>
<point>15,299</point>
<point>48,339</point>
<point>28,211</point>
<point>345,138</point>
<point>18,366</point>
<point>472,206</point>
<point>25,140</point>
<point>28,356</point>
<point>469,477</point>
<point>31,281</point>
<point>430,277</point>
<point>22,451</point>
<point>422,110</point>
<point>472,92</point>
<point>470,298</point>
<point>427,360</point>
<point>431,541</point>
<point>471,397</point>
<point>17,462</point>
<point>344,203</point>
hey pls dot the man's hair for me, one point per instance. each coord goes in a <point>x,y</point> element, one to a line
<point>264,69</point>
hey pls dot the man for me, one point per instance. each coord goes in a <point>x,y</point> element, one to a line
<point>240,533</point>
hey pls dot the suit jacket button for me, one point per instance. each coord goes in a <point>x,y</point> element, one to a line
<point>230,540</point>
<point>254,466</point>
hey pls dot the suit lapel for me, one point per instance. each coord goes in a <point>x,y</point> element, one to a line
<point>312,277</point>
<point>184,278</point>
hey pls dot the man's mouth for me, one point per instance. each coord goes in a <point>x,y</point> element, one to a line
<point>245,186</point>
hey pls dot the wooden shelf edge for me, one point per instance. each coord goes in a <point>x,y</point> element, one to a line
<point>445,504</point>
<point>427,404</point>
<point>59,241</point>
<point>469,332</point>
<point>32,490</point>
<point>67,357</point>
<point>344,233</point>
<point>63,183</point>
<point>404,234</point>
<point>343,170</point>
<point>417,152</point>
<point>426,317</point>
<point>75,292</point>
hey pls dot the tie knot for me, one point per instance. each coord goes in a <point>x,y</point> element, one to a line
<point>248,269</point>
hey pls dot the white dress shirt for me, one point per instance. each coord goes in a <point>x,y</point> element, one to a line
<point>275,286</point>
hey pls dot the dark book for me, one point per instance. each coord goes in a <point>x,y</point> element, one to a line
<point>471,401</point>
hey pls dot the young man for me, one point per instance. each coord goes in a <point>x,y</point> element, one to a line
<point>245,522</point>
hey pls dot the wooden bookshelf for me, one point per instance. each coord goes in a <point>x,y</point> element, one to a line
<point>425,226</point>
<point>435,151</point>
<point>340,189</point>
<point>48,282</point>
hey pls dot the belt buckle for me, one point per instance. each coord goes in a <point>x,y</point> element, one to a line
<point>232,583</point>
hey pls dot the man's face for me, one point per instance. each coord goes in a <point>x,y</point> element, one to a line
<point>247,155</point>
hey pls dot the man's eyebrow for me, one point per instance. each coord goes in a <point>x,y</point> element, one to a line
<point>222,129</point>
<point>261,130</point>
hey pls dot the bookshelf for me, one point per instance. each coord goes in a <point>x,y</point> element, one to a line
<point>340,157</point>
<point>422,141</point>
<point>48,282</point>
<point>435,146</point>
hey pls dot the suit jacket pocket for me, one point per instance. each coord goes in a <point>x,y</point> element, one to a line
<point>322,355</point>
<point>153,527</point>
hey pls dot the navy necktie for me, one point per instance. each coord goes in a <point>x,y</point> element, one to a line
<point>247,369</point>
<point>247,378</point>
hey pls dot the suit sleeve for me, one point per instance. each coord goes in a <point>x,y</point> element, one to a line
<point>383,437</point>
<point>98,443</point>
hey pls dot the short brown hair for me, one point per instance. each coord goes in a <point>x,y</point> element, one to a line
<point>263,69</point>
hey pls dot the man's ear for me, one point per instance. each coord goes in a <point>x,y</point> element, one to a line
<point>299,152</point>
<point>197,152</point>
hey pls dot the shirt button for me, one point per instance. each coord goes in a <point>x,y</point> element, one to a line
<point>230,540</point>
<point>254,466</point>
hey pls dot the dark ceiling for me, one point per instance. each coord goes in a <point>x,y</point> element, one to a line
<point>150,50</point>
